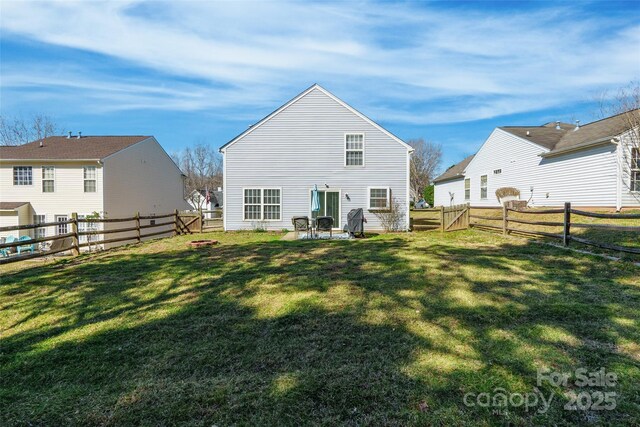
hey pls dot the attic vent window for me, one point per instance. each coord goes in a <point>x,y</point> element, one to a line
<point>497,171</point>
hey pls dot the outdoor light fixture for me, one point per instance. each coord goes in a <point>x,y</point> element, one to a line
<point>347,196</point>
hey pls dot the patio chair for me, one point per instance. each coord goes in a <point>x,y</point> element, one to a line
<point>28,247</point>
<point>301,223</point>
<point>325,223</point>
<point>7,251</point>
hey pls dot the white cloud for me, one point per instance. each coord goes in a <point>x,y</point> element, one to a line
<point>404,62</point>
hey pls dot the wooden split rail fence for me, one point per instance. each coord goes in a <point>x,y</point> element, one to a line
<point>175,223</point>
<point>566,224</point>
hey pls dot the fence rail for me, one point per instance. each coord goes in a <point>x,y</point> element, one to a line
<point>567,223</point>
<point>180,223</point>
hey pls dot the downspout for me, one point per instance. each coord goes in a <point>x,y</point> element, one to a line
<point>619,161</point>
<point>224,189</point>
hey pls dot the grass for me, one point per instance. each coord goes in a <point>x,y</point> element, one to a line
<point>391,330</point>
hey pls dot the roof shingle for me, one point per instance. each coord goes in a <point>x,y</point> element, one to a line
<point>64,148</point>
<point>455,171</point>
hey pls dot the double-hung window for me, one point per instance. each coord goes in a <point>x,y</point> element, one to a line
<point>354,149</point>
<point>22,175</point>
<point>90,226</point>
<point>379,198</point>
<point>467,188</point>
<point>89,179</point>
<point>48,179</point>
<point>62,227</point>
<point>483,187</point>
<point>42,231</point>
<point>635,169</point>
<point>262,204</point>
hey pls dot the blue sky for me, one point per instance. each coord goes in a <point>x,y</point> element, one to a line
<point>201,71</point>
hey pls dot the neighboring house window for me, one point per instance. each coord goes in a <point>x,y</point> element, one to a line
<point>262,204</point>
<point>635,169</point>
<point>497,171</point>
<point>85,227</point>
<point>379,198</point>
<point>89,179</point>
<point>22,175</point>
<point>483,187</point>
<point>39,232</point>
<point>354,149</point>
<point>48,179</point>
<point>62,228</point>
<point>467,189</point>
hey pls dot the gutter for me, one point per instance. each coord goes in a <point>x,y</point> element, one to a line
<point>582,146</point>
<point>457,176</point>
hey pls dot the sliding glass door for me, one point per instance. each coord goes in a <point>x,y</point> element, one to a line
<point>329,206</point>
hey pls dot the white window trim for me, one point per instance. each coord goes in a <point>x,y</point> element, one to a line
<point>57,219</point>
<point>261,204</point>
<point>632,170</point>
<point>334,190</point>
<point>95,179</point>
<point>21,185</point>
<point>42,179</point>
<point>344,148</point>
<point>465,188</point>
<point>486,187</point>
<point>381,187</point>
<point>40,231</point>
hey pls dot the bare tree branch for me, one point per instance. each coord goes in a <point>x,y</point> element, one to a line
<point>202,166</point>
<point>18,130</point>
<point>425,162</point>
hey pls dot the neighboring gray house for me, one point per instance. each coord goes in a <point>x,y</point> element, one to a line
<point>594,165</point>
<point>314,139</point>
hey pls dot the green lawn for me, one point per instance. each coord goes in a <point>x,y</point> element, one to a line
<point>390,330</point>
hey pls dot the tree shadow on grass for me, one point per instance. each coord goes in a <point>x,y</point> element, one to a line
<point>383,331</point>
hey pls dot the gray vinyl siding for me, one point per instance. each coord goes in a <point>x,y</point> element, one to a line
<point>303,146</point>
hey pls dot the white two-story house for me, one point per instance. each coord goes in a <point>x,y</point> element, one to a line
<point>596,165</point>
<point>114,176</point>
<point>315,139</point>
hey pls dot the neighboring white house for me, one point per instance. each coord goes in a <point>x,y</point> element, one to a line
<point>198,200</point>
<point>592,165</point>
<point>313,140</point>
<point>114,176</point>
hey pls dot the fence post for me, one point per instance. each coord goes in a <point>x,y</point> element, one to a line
<point>201,218</point>
<point>505,219</point>
<point>175,223</point>
<point>74,238</point>
<point>468,215</point>
<point>138,226</point>
<point>442,218</point>
<point>566,234</point>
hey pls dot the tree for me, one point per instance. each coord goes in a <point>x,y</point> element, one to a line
<point>429,194</point>
<point>626,103</point>
<point>425,161</point>
<point>18,130</point>
<point>202,166</point>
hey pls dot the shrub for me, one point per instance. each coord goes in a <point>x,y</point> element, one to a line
<point>392,219</point>
<point>429,194</point>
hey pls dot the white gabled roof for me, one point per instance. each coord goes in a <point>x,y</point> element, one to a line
<point>302,95</point>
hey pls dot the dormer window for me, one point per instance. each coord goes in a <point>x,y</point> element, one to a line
<point>354,149</point>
